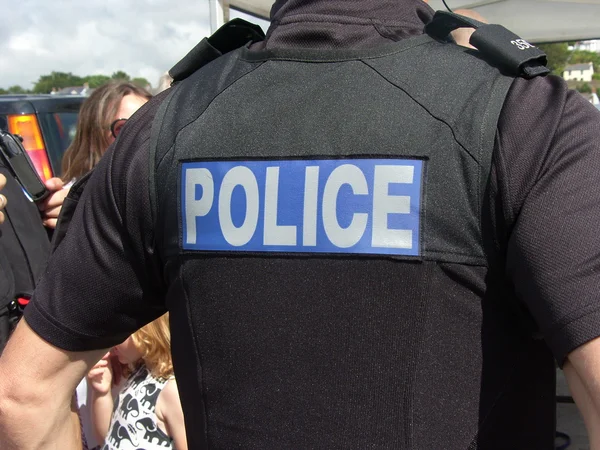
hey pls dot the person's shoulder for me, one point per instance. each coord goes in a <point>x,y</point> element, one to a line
<point>168,399</point>
<point>170,390</point>
<point>551,92</point>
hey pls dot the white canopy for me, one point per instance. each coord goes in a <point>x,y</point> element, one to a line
<point>533,20</point>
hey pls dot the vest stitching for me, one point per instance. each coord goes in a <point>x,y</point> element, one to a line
<point>196,349</point>
<point>440,119</point>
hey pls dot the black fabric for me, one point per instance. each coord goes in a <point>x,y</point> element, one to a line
<point>229,37</point>
<point>24,249</point>
<point>68,210</point>
<point>496,44</point>
<point>472,358</point>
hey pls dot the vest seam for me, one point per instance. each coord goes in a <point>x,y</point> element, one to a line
<point>448,123</point>
<point>158,163</point>
<point>196,349</point>
<point>333,59</point>
<point>418,355</point>
<point>484,127</point>
<point>482,426</point>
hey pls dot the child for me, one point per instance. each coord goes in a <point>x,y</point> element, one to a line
<point>148,413</point>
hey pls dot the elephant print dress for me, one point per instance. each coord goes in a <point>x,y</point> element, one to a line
<point>133,424</point>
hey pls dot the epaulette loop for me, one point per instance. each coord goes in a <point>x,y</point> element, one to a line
<point>234,34</point>
<point>498,45</point>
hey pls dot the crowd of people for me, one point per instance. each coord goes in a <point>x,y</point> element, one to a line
<point>443,337</point>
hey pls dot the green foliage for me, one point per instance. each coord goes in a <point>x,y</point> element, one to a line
<point>558,56</point>
<point>583,56</point>
<point>596,76</point>
<point>56,80</point>
<point>141,82</point>
<point>96,81</point>
<point>17,90</point>
<point>120,75</point>
<point>60,80</point>
<point>584,88</point>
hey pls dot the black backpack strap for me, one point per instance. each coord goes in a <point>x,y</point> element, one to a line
<point>234,34</point>
<point>498,45</point>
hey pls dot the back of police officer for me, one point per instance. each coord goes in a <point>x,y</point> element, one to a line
<point>365,238</point>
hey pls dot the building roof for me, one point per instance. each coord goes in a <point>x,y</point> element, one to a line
<point>584,66</point>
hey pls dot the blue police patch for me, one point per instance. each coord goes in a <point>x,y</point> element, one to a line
<point>362,206</point>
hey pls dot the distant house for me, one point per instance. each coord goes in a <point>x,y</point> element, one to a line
<point>588,46</point>
<point>75,90</point>
<point>579,72</point>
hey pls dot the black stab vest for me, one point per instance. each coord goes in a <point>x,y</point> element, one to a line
<point>327,349</point>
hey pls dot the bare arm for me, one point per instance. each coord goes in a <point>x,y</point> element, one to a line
<point>168,406</point>
<point>582,371</point>
<point>37,382</point>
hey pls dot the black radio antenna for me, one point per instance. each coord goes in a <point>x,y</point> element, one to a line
<point>446,5</point>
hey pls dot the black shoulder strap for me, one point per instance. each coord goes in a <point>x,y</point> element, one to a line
<point>498,45</point>
<point>234,34</point>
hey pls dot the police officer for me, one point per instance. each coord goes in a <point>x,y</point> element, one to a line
<point>366,238</point>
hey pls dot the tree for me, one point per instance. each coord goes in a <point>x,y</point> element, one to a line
<point>95,81</point>
<point>141,82</point>
<point>3,91</point>
<point>57,80</point>
<point>583,56</point>
<point>120,75</point>
<point>558,56</point>
<point>584,88</point>
<point>16,90</point>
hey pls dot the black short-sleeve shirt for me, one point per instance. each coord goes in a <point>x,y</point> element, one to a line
<point>105,281</point>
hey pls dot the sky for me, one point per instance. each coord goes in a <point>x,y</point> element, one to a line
<point>144,38</point>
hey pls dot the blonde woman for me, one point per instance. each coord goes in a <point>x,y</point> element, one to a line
<point>148,412</point>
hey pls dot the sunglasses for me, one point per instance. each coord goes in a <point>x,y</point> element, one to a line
<point>117,126</point>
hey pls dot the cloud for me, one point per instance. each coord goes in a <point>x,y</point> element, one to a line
<point>143,37</point>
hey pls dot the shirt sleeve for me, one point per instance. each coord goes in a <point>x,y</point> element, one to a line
<point>103,281</point>
<point>549,170</point>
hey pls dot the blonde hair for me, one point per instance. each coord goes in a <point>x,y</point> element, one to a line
<point>153,341</point>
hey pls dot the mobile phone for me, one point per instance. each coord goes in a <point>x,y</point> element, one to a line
<point>15,158</point>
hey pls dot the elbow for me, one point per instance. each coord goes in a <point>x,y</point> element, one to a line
<point>19,405</point>
<point>10,412</point>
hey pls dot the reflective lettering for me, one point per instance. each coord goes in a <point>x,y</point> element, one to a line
<point>311,197</point>
<point>275,234</point>
<point>238,176</point>
<point>197,207</point>
<point>344,237</point>
<point>385,204</point>
<point>354,206</point>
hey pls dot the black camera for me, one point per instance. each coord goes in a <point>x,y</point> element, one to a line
<point>14,156</point>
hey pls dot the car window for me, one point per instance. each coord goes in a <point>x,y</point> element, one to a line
<point>58,130</point>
